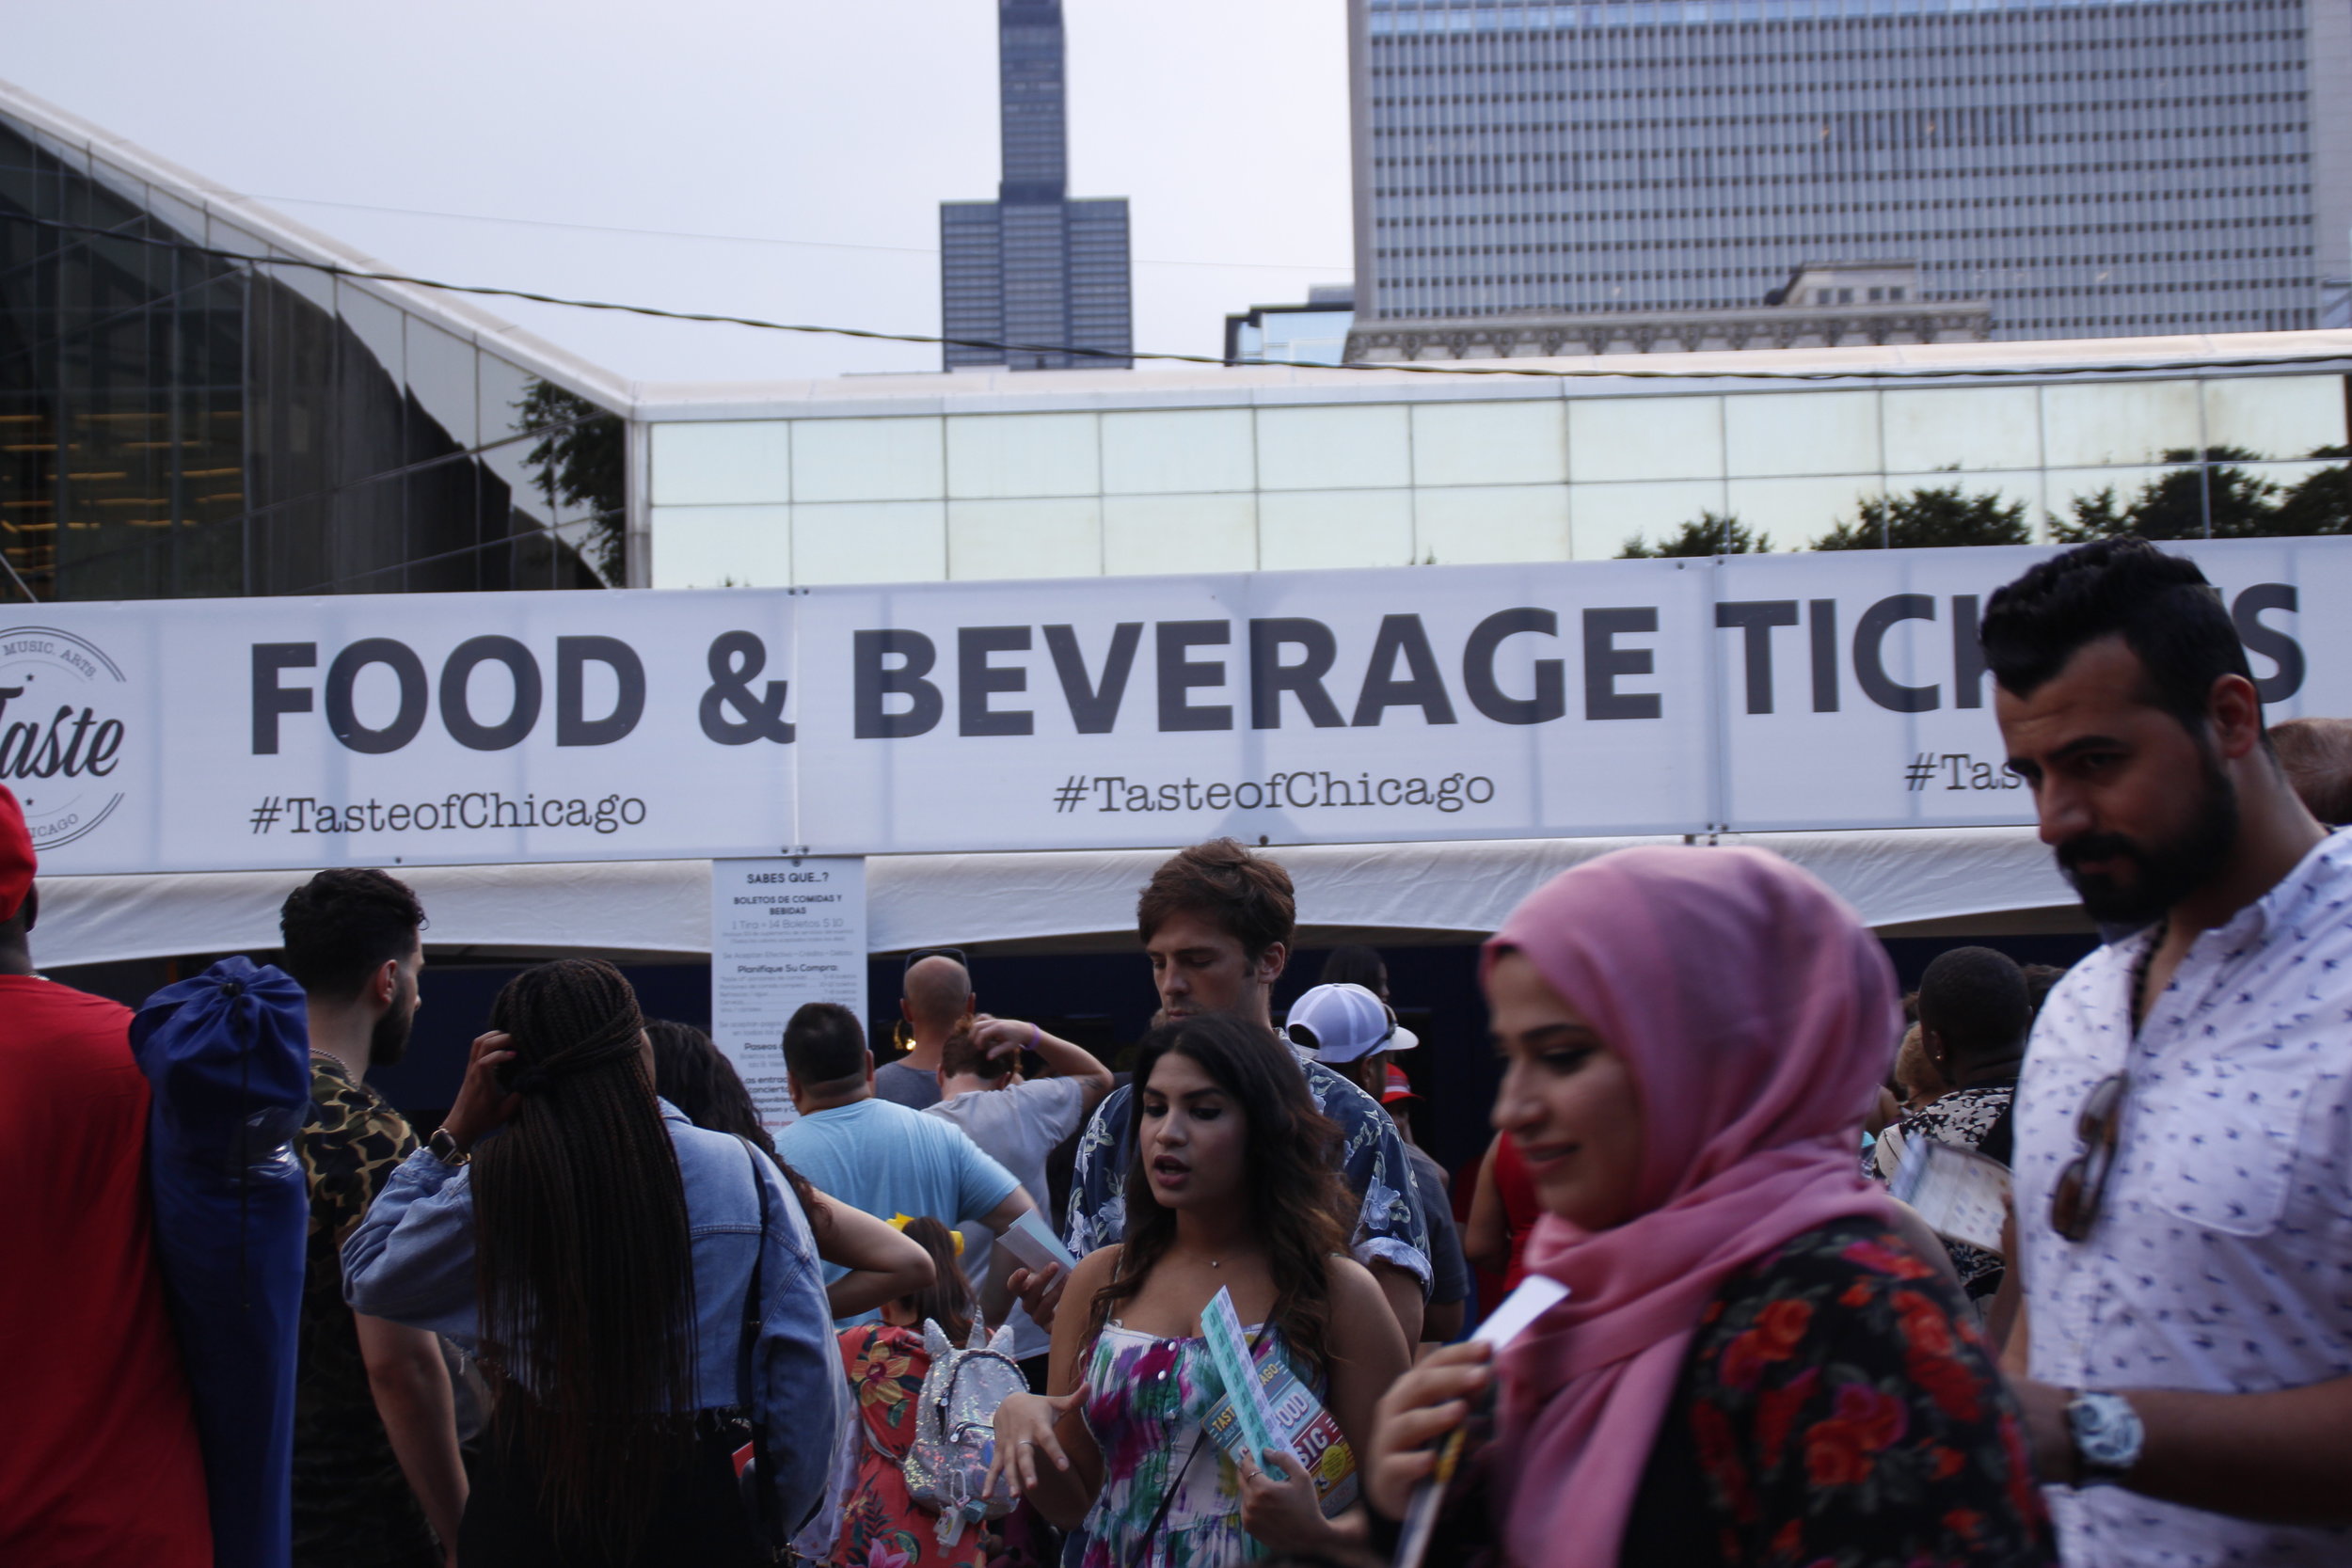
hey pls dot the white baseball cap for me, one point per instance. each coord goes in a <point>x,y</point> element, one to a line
<point>1345,1024</point>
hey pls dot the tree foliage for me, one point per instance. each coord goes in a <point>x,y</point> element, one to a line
<point>2243,505</point>
<point>1929,518</point>
<point>578,465</point>
<point>1714,533</point>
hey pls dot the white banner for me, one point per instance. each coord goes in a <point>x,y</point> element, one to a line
<point>783,933</point>
<point>1575,699</point>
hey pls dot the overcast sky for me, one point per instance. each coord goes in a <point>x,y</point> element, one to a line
<point>836,124</point>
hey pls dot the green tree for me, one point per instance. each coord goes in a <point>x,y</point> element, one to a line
<point>2172,505</point>
<point>1929,518</point>
<point>2320,502</point>
<point>1714,533</point>
<point>578,464</point>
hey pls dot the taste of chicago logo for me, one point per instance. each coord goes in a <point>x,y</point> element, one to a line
<point>60,742</point>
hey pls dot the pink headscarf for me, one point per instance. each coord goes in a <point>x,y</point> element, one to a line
<point>1757,1018</point>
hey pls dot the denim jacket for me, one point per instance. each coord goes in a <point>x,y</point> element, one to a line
<point>412,1260</point>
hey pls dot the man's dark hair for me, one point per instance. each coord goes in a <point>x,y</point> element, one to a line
<point>1975,1000</point>
<point>2168,614</point>
<point>1247,897</point>
<point>962,1056</point>
<point>342,925</point>
<point>824,1043</point>
<point>1355,965</point>
<point>2039,979</point>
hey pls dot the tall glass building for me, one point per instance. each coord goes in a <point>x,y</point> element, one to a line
<point>1033,266</point>
<point>2090,168</point>
<point>192,404</point>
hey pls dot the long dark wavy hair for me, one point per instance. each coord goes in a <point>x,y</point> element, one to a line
<point>693,1074</point>
<point>583,1262</point>
<point>1301,1212</point>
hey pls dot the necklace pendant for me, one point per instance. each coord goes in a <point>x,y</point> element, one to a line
<point>1213,1263</point>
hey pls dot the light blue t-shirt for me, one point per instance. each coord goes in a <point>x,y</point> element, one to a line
<point>890,1161</point>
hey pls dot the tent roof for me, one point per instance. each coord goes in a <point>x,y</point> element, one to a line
<point>1909,882</point>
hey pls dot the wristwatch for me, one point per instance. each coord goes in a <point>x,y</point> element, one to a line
<point>2108,1437</point>
<point>445,1148</point>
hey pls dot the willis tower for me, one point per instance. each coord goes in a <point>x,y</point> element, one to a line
<point>1033,266</point>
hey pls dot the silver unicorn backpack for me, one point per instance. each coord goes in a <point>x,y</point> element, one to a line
<point>955,1429</point>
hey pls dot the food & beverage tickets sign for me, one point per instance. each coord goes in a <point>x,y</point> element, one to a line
<point>1758,693</point>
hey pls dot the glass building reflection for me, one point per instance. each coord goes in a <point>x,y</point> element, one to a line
<point>176,425</point>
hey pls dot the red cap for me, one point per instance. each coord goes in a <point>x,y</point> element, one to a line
<point>16,855</point>
<point>1397,1087</point>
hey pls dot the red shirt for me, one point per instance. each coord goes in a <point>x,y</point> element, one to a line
<point>103,1467</point>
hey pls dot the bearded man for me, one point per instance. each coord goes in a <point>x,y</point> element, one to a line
<point>2183,1121</point>
<point>377,1477</point>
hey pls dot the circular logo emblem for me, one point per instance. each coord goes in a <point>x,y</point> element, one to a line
<point>60,731</point>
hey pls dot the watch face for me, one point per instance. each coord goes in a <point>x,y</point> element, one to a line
<point>2106,1429</point>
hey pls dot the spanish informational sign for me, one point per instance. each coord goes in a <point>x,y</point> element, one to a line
<point>783,932</point>
<point>1576,698</point>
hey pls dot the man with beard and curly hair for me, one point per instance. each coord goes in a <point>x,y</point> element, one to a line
<point>377,1472</point>
<point>2183,1120</point>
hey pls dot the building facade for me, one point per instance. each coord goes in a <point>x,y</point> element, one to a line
<point>1314,333</point>
<point>2086,169</point>
<point>974,476</point>
<point>1033,269</point>
<point>197,400</point>
<point>177,422</point>
<point>1821,306</point>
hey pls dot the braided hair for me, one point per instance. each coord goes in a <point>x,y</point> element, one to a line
<point>583,1262</point>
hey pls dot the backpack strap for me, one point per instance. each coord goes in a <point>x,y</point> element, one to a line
<point>755,1319</point>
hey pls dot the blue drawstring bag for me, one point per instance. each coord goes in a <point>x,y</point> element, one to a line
<point>228,1064</point>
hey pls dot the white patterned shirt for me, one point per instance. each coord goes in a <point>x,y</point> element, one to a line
<point>2221,1258</point>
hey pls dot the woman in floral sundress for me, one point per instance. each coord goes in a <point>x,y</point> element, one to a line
<point>1230,1189</point>
<point>880,1525</point>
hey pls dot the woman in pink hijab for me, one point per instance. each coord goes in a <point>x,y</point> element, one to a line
<point>1753,1366</point>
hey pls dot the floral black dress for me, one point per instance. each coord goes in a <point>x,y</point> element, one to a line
<point>1840,1409</point>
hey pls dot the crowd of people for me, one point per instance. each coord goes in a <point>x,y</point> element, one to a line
<point>604,1315</point>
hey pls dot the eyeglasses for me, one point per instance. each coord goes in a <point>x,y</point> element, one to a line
<point>2082,1186</point>
<point>921,953</point>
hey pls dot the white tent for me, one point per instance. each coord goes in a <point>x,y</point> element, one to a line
<point>1909,882</point>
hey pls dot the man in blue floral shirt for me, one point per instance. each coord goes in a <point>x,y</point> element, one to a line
<point>1216,922</point>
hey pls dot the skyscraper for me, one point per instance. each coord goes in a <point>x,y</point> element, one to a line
<point>1033,266</point>
<point>2087,168</point>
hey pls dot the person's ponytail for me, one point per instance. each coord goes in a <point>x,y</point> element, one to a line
<point>584,1261</point>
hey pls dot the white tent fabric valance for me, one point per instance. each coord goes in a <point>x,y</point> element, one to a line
<point>1947,878</point>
